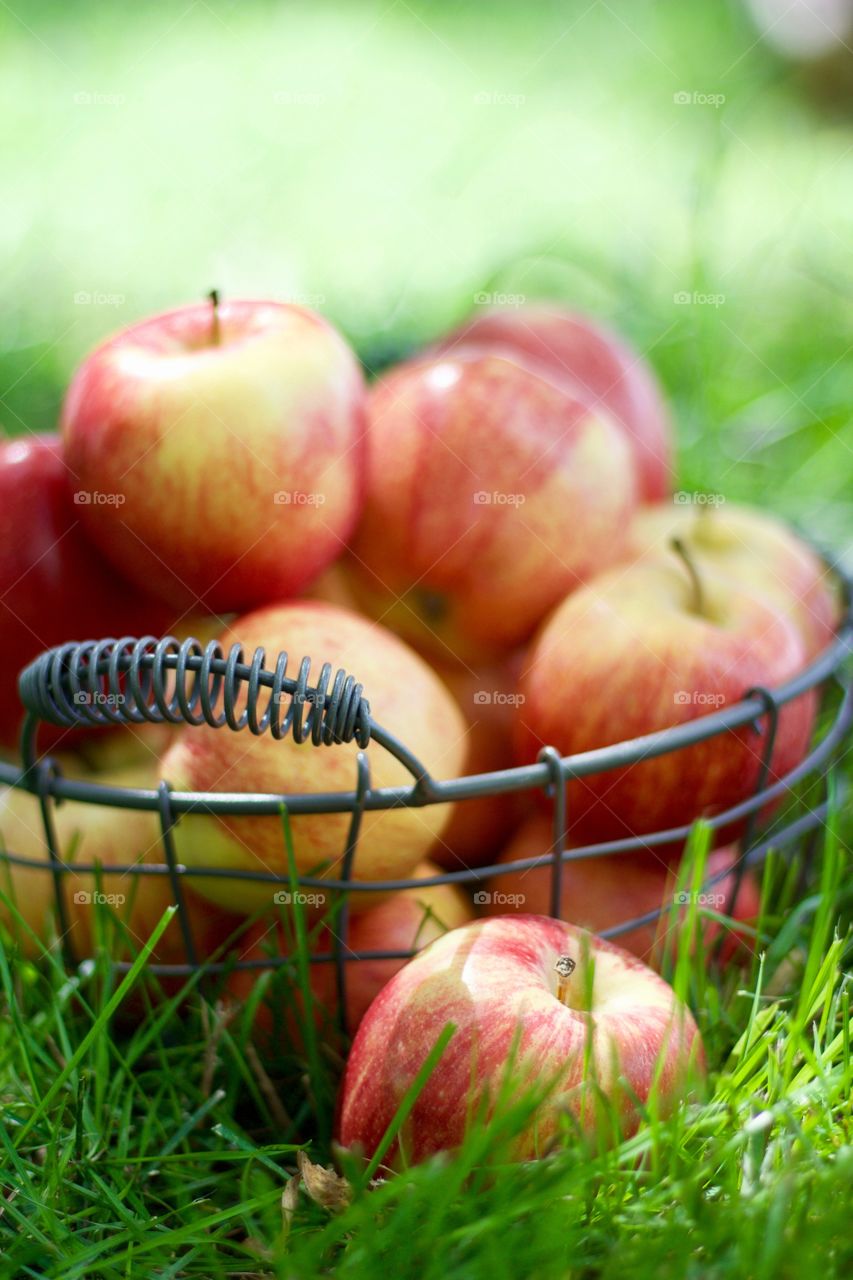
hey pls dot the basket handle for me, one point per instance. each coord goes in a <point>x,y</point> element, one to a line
<point>129,681</point>
<point>183,682</point>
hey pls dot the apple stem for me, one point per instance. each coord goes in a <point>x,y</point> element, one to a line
<point>680,549</point>
<point>565,967</point>
<point>215,335</point>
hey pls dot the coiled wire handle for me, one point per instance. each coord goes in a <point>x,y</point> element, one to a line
<point>130,681</point>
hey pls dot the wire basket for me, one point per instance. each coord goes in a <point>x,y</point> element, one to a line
<point>133,681</point>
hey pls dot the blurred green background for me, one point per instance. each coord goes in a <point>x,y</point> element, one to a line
<point>657,163</point>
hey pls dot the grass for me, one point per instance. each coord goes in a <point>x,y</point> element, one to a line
<point>144,1138</point>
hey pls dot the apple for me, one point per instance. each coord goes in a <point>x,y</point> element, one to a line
<point>492,491</point>
<point>600,893</point>
<point>644,648</point>
<point>106,835</point>
<point>218,451</point>
<point>407,921</point>
<point>518,1022</point>
<point>479,828</point>
<point>589,358</point>
<point>754,549</point>
<point>54,585</point>
<point>405,697</point>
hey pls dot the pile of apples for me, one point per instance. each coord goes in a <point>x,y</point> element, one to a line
<point>487,538</point>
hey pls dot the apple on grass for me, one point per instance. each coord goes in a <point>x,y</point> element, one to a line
<point>102,834</point>
<point>492,491</point>
<point>533,1002</point>
<point>753,548</point>
<point>405,697</point>
<point>600,893</point>
<point>646,647</point>
<point>55,586</point>
<point>592,360</point>
<point>220,451</point>
<point>407,921</point>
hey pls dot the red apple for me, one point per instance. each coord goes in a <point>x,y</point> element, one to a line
<point>54,585</point>
<point>109,836</point>
<point>219,452</point>
<point>644,648</point>
<point>591,359</point>
<point>620,1027</point>
<point>600,893</point>
<point>405,922</point>
<point>405,697</point>
<point>754,549</point>
<point>492,491</point>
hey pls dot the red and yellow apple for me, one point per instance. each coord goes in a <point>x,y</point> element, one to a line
<point>644,648</point>
<point>753,548</point>
<point>407,921</point>
<point>405,696</point>
<point>534,1002</point>
<point>219,451</point>
<point>601,893</point>
<point>55,586</point>
<point>591,359</point>
<point>492,491</point>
